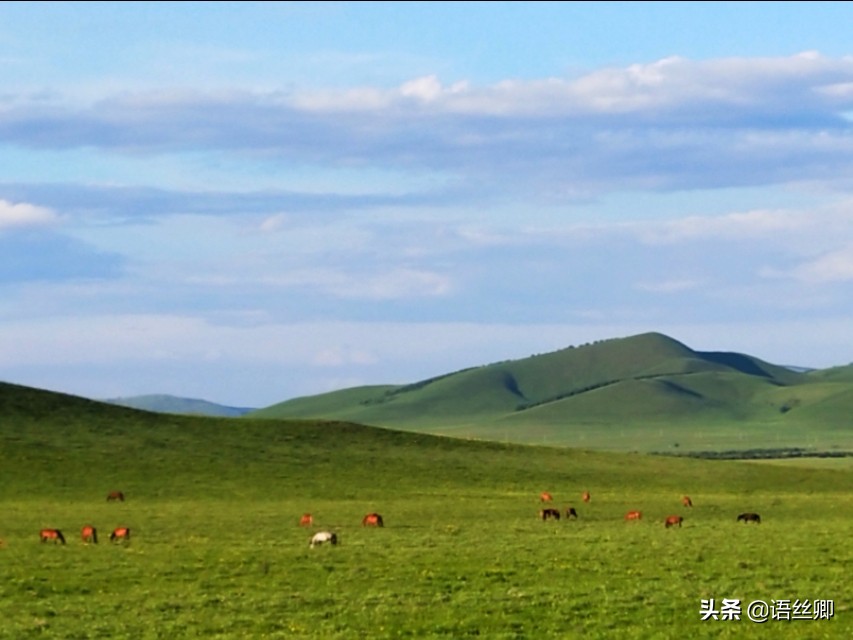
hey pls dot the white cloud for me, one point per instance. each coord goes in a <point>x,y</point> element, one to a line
<point>654,88</point>
<point>16,215</point>
<point>669,286</point>
<point>733,226</point>
<point>832,266</point>
<point>669,124</point>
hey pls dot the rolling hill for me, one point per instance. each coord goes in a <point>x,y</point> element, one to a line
<point>643,392</point>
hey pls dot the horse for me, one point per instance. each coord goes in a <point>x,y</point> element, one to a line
<point>686,501</point>
<point>749,517</point>
<point>571,513</point>
<point>673,521</point>
<point>52,534</point>
<point>372,520</point>
<point>122,533</point>
<point>89,534</point>
<point>306,520</point>
<point>112,496</point>
<point>586,497</point>
<point>549,513</point>
<point>545,497</point>
<point>323,536</point>
<point>634,515</point>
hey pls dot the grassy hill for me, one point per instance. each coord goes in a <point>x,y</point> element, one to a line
<point>216,551</point>
<point>647,393</point>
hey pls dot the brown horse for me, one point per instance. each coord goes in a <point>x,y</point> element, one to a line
<point>634,515</point>
<point>52,534</point>
<point>549,513</point>
<point>545,497</point>
<point>571,513</point>
<point>112,496</point>
<point>372,520</point>
<point>749,517</point>
<point>673,521</point>
<point>586,497</point>
<point>89,534</point>
<point>686,501</point>
<point>306,520</point>
<point>122,533</point>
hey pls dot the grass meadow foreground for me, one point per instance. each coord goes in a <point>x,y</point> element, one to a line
<point>216,550</point>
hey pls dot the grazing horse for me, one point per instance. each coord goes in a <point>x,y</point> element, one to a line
<point>586,497</point>
<point>112,496</point>
<point>306,520</point>
<point>372,520</point>
<point>634,515</point>
<point>673,521</point>
<point>323,536</point>
<point>571,513</point>
<point>52,534</point>
<point>122,533</point>
<point>686,501</point>
<point>749,517</point>
<point>549,513</point>
<point>89,534</point>
<point>545,497</point>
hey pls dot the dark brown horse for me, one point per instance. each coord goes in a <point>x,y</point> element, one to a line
<point>306,520</point>
<point>686,501</point>
<point>673,521</point>
<point>634,515</point>
<point>571,513</point>
<point>112,496</point>
<point>749,517</point>
<point>89,534</point>
<point>372,520</point>
<point>52,534</point>
<point>549,513</point>
<point>122,533</point>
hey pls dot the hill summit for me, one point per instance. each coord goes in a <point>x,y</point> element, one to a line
<point>648,380</point>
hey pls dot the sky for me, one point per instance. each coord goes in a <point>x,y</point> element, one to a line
<point>247,202</point>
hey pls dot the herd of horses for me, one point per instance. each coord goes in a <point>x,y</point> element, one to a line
<point>88,533</point>
<point>550,513</point>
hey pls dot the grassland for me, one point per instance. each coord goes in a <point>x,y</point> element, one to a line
<point>216,551</point>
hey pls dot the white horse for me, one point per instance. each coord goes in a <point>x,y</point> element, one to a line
<point>324,536</point>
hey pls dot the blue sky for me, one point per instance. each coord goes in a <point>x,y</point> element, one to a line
<point>247,202</point>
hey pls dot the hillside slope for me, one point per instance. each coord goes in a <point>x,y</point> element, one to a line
<point>589,395</point>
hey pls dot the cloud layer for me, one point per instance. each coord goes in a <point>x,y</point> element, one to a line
<point>311,236</point>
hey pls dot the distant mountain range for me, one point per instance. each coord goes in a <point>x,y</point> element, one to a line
<point>173,404</point>
<point>650,387</point>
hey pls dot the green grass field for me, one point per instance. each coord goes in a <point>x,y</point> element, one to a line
<point>216,550</point>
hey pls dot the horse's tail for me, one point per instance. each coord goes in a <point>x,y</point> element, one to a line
<point>60,537</point>
<point>94,535</point>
